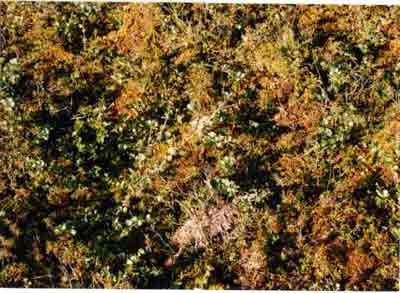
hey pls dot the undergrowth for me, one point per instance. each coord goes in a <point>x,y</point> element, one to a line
<point>199,146</point>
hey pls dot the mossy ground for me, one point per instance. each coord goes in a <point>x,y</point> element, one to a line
<point>199,146</point>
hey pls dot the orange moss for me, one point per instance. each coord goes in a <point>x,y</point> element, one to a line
<point>359,264</point>
<point>132,100</point>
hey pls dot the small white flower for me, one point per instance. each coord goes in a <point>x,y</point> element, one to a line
<point>190,106</point>
<point>172,151</point>
<point>254,124</point>
<point>141,157</point>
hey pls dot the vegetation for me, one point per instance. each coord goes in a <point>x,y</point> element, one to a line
<point>199,146</point>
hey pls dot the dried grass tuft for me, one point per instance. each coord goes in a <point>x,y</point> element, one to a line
<point>252,267</point>
<point>199,229</point>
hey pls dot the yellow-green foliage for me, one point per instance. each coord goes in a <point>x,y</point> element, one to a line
<point>199,146</point>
